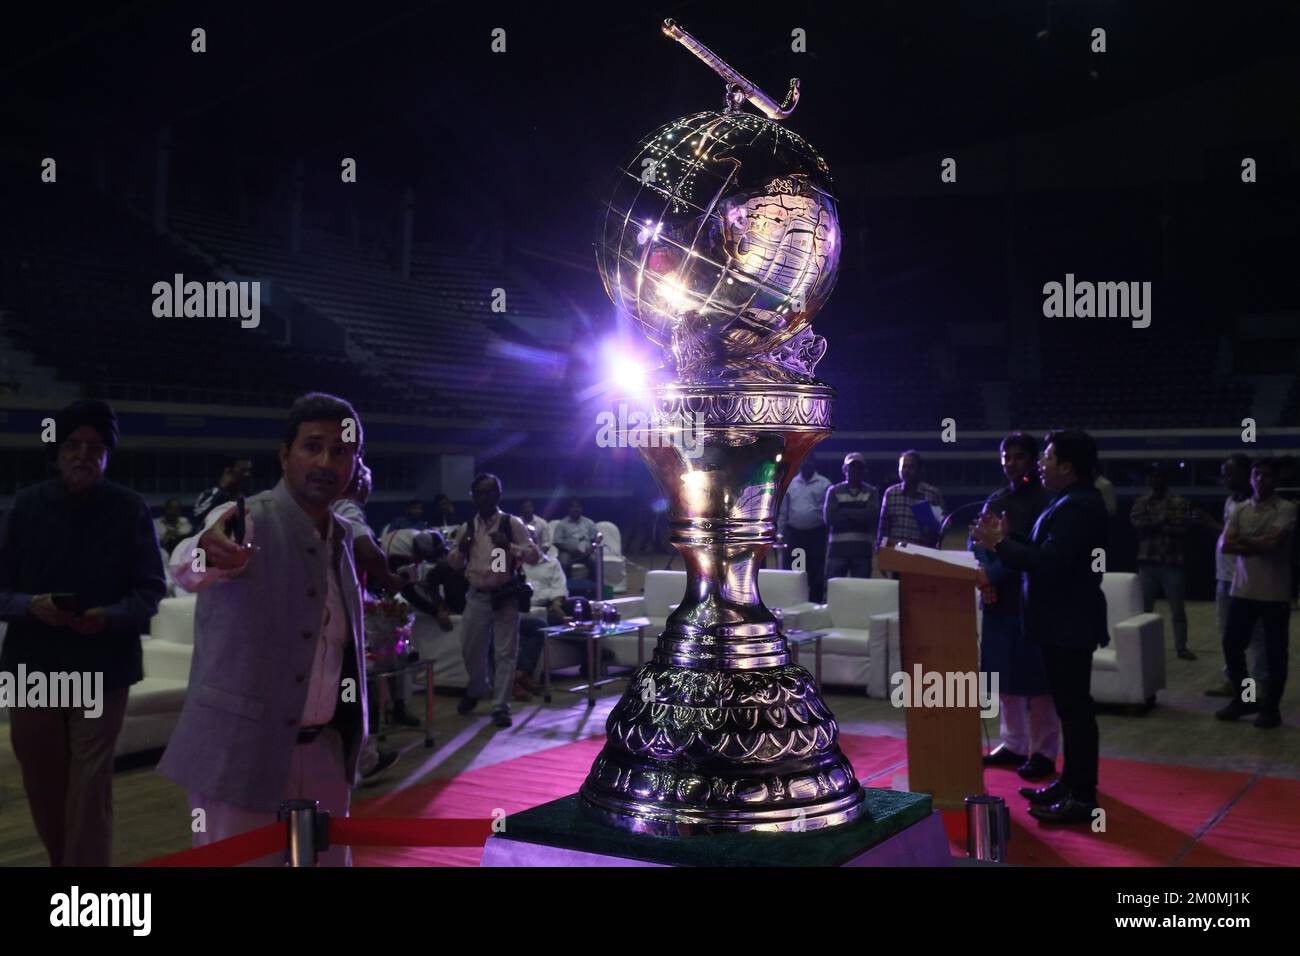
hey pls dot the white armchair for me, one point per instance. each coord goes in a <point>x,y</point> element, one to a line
<point>154,704</point>
<point>615,563</point>
<point>1131,669</point>
<point>860,647</point>
<point>664,590</point>
<point>787,590</point>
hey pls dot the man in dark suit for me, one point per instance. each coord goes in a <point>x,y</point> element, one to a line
<point>1064,610</point>
<point>82,537</point>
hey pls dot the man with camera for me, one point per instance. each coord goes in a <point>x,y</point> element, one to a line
<point>492,548</point>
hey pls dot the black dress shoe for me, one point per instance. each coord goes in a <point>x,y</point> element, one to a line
<point>1054,792</point>
<point>1036,767</point>
<point>1235,708</point>
<point>1068,810</point>
<point>1003,756</point>
<point>466,704</point>
<point>386,759</point>
<point>1268,718</point>
<point>1185,655</point>
<point>501,719</point>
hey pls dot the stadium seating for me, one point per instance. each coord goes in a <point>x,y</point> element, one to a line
<point>79,301</point>
<point>436,330</point>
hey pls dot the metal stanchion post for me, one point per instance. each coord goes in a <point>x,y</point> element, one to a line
<point>598,555</point>
<point>598,617</point>
<point>988,825</point>
<point>308,831</point>
<point>428,704</point>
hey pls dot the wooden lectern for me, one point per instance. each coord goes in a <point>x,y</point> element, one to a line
<point>936,615</point>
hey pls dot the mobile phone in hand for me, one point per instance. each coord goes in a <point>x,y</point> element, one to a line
<point>75,603</point>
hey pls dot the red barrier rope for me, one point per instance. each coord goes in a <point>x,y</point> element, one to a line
<point>350,831</point>
<point>231,851</point>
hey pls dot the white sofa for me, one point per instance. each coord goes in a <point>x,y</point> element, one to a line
<point>1131,668</point>
<point>154,704</point>
<point>860,647</point>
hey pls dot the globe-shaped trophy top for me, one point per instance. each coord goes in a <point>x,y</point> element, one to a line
<point>721,239</point>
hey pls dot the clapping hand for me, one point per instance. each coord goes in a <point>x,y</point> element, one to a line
<point>990,530</point>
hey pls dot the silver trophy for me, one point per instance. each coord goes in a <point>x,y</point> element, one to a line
<point>721,241</point>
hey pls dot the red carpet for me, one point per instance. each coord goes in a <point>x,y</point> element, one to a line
<point>1156,814</point>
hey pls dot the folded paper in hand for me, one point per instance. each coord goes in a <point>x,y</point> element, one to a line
<point>926,516</point>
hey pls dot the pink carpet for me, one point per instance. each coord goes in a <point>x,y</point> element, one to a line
<point>1156,814</point>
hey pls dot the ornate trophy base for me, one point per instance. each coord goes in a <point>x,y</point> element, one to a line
<point>721,751</point>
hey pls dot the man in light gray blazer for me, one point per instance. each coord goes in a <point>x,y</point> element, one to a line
<point>276,705</point>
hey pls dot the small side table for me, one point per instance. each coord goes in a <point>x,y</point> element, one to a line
<point>380,678</point>
<point>592,636</point>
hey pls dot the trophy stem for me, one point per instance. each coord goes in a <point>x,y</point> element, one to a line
<point>720,731</point>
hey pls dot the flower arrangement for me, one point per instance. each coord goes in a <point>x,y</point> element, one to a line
<point>390,621</point>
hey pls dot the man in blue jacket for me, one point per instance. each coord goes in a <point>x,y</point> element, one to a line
<point>1064,610</point>
<point>1031,733</point>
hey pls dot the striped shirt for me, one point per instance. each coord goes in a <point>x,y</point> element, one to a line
<point>1161,525</point>
<point>852,516</point>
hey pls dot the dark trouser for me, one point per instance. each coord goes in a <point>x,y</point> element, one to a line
<point>451,583</point>
<point>1171,580</point>
<point>1222,601</point>
<point>568,559</point>
<point>856,565</point>
<point>67,763</point>
<point>490,645</point>
<point>813,543</point>
<point>1276,617</point>
<point>530,644</point>
<point>1069,678</point>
